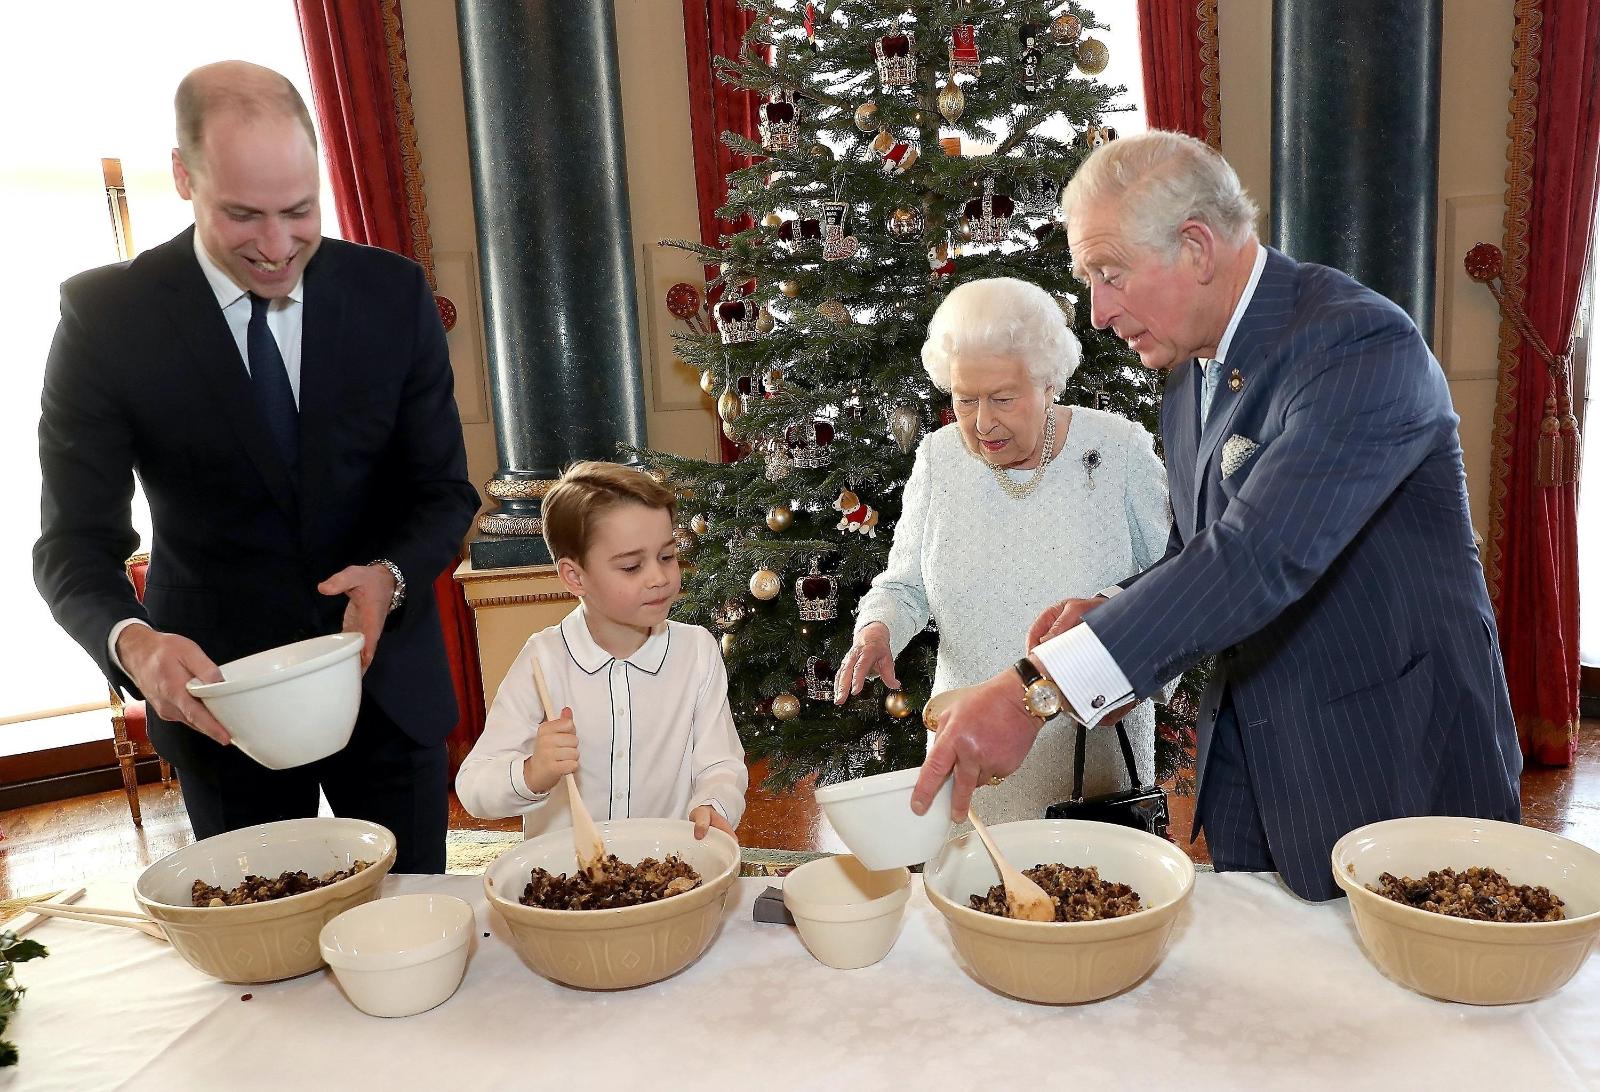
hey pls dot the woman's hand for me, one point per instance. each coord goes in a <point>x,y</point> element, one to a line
<point>868,658</point>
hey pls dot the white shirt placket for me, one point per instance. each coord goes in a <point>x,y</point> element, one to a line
<point>621,739</point>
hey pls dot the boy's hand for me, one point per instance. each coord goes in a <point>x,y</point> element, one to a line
<point>555,753</point>
<point>705,817</point>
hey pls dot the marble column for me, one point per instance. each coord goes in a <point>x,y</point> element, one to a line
<point>550,186</point>
<point>1355,141</point>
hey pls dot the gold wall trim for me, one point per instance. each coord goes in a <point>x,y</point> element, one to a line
<point>1210,72</point>
<point>519,600</point>
<point>406,126</point>
<point>1526,38</point>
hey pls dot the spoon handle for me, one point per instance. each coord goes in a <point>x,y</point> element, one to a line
<point>586,841</point>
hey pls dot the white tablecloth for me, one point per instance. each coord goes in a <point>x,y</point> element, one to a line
<point>1258,989</point>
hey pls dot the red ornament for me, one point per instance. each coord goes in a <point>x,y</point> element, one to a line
<point>683,300</point>
<point>1484,262</point>
<point>447,312</point>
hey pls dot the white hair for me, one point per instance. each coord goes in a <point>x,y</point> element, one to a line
<point>1160,180</point>
<point>1002,316</point>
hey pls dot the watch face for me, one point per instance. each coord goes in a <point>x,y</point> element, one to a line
<point>1044,699</point>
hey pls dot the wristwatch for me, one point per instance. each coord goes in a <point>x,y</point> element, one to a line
<point>1040,697</point>
<point>399,595</point>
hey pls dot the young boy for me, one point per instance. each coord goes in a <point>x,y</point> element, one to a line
<point>642,721</point>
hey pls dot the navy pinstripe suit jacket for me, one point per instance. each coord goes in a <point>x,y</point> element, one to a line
<point>1334,575</point>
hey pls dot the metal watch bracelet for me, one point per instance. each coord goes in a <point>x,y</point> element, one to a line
<point>399,595</point>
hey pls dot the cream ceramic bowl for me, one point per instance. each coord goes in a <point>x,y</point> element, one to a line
<point>1455,959</point>
<point>847,916</point>
<point>266,941</point>
<point>292,705</point>
<point>1061,962</point>
<point>401,955</point>
<point>873,817</point>
<point>629,946</point>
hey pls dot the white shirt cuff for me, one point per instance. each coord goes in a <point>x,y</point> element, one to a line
<point>519,781</point>
<point>1110,593</point>
<point>1090,680</point>
<point>116,631</point>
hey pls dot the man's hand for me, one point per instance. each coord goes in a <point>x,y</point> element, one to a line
<point>705,817</point>
<point>160,664</point>
<point>983,734</point>
<point>868,657</point>
<point>555,753</point>
<point>1057,619</point>
<point>369,587</point>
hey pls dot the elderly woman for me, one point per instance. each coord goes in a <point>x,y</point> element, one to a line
<point>1018,503</point>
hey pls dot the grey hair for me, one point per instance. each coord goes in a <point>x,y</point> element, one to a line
<point>1002,316</point>
<point>1161,180</point>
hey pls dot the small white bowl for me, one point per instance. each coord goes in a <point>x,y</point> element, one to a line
<point>847,915</point>
<point>873,817</point>
<point>291,705</point>
<point>401,955</point>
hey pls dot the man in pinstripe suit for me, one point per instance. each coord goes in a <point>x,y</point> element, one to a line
<point>1321,547</point>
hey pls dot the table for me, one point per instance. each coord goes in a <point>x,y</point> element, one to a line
<point>1258,989</point>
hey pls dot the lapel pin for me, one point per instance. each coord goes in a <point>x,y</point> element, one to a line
<point>1236,381</point>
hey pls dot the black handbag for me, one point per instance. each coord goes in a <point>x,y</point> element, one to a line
<point>1141,807</point>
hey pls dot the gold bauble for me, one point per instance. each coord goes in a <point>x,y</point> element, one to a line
<point>1068,307</point>
<point>790,288</point>
<point>896,704</point>
<point>730,641</point>
<point>867,117</point>
<point>952,103</point>
<point>764,321</point>
<point>786,707</point>
<point>683,538</point>
<point>729,406</point>
<point>708,381</point>
<point>700,525</point>
<point>1065,29</point>
<point>765,584</point>
<point>822,153</point>
<point>772,219</point>
<point>730,430</point>
<point>835,311</point>
<point>780,517</point>
<point>1093,56</point>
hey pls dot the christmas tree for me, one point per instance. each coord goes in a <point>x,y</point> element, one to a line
<point>904,149</point>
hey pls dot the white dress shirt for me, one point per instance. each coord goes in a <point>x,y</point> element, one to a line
<point>285,317</point>
<point>655,733</point>
<point>1090,680</point>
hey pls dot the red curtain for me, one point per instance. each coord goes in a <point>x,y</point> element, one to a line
<point>1178,47</point>
<point>355,51</point>
<point>716,28</point>
<point>1533,570</point>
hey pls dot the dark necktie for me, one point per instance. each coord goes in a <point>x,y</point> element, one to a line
<point>271,382</point>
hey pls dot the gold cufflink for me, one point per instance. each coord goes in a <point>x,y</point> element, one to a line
<point>1236,381</point>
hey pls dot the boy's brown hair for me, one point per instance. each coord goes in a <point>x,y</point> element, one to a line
<point>586,491</point>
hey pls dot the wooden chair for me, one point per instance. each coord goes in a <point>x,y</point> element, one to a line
<point>128,723</point>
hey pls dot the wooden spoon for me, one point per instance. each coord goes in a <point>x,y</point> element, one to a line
<point>586,840</point>
<point>1025,900</point>
<point>120,918</point>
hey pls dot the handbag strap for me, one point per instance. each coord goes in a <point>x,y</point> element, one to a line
<point>1078,757</point>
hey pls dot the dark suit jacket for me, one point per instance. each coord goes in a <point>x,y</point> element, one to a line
<point>145,377</point>
<point>1334,574</point>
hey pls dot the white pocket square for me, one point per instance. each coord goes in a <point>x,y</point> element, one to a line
<point>1236,451</point>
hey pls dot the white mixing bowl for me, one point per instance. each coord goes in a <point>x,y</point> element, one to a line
<point>873,816</point>
<point>291,705</point>
<point>401,955</point>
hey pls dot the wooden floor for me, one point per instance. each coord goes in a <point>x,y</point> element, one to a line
<point>50,846</point>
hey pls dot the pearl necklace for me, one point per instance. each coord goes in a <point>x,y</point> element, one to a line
<point>1020,490</point>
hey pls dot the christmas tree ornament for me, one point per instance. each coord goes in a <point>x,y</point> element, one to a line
<point>747,387</point>
<point>1069,307</point>
<point>708,381</point>
<point>728,406</point>
<point>952,102</point>
<point>896,704</point>
<point>1094,136</point>
<point>941,260</point>
<point>730,429</point>
<point>736,320</point>
<point>777,461</point>
<point>780,517</point>
<point>1093,56</point>
<point>790,288</point>
<point>811,28</point>
<point>819,678</point>
<point>836,244</point>
<point>988,218</point>
<point>801,232</point>
<point>771,219</point>
<point>964,60</point>
<point>1032,55</point>
<point>772,381</point>
<point>898,155</point>
<point>728,616</point>
<point>905,226</point>
<point>730,644</point>
<point>817,595</point>
<point>822,153</point>
<point>764,321</point>
<point>836,312</point>
<point>786,706</point>
<point>1046,232</point>
<point>683,538</point>
<point>896,56</point>
<point>780,122</point>
<point>905,425</point>
<point>867,117</point>
<point>765,584</point>
<point>808,445</point>
<point>1065,29</point>
<point>1041,194</point>
<point>700,524</point>
<point>855,515</point>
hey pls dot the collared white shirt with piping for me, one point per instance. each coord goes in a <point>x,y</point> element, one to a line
<point>655,732</point>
